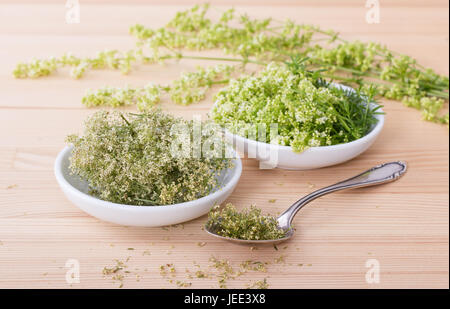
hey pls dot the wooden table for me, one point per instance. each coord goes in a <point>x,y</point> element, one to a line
<point>403,225</point>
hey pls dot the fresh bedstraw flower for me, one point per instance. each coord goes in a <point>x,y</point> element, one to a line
<point>191,87</point>
<point>248,224</point>
<point>261,41</point>
<point>309,112</point>
<point>144,97</point>
<point>108,59</point>
<point>128,159</point>
<point>36,68</point>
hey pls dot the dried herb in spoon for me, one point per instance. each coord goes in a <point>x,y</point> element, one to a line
<point>248,224</point>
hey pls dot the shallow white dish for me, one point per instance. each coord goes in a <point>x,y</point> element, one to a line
<point>315,157</point>
<point>76,190</point>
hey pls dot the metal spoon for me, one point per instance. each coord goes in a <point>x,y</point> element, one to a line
<point>377,175</point>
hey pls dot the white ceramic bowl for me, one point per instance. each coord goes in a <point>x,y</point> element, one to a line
<point>76,190</point>
<point>314,157</point>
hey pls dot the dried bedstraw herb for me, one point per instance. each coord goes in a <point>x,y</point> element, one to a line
<point>129,159</point>
<point>260,284</point>
<point>248,224</point>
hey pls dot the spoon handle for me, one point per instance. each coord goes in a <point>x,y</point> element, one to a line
<point>377,175</point>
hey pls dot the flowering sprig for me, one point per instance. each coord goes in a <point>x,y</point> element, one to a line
<point>190,88</point>
<point>144,98</point>
<point>35,68</point>
<point>108,59</point>
<point>261,41</point>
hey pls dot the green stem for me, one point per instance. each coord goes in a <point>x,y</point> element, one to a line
<point>341,78</point>
<point>223,59</point>
<point>440,94</point>
<point>223,81</point>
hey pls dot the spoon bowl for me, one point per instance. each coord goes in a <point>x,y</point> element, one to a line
<point>377,175</point>
<point>289,235</point>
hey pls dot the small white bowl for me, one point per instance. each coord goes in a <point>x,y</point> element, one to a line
<point>271,155</point>
<point>314,157</point>
<point>76,190</point>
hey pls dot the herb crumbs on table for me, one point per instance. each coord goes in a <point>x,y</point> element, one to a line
<point>260,284</point>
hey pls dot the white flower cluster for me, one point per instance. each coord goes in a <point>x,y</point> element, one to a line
<point>145,97</point>
<point>111,59</point>
<point>307,114</point>
<point>192,86</point>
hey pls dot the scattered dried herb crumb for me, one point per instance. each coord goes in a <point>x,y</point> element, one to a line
<point>272,200</point>
<point>220,269</point>
<point>311,185</point>
<point>116,271</point>
<point>112,270</point>
<point>167,269</point>
<point>201,274</point>
<point>260,284</point>
<point>253,265</point>
<point>183,284</point>
<point>280,259</point>
<point>201,244</point>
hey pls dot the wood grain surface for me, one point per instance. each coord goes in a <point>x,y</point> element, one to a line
<point>403,225</point>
